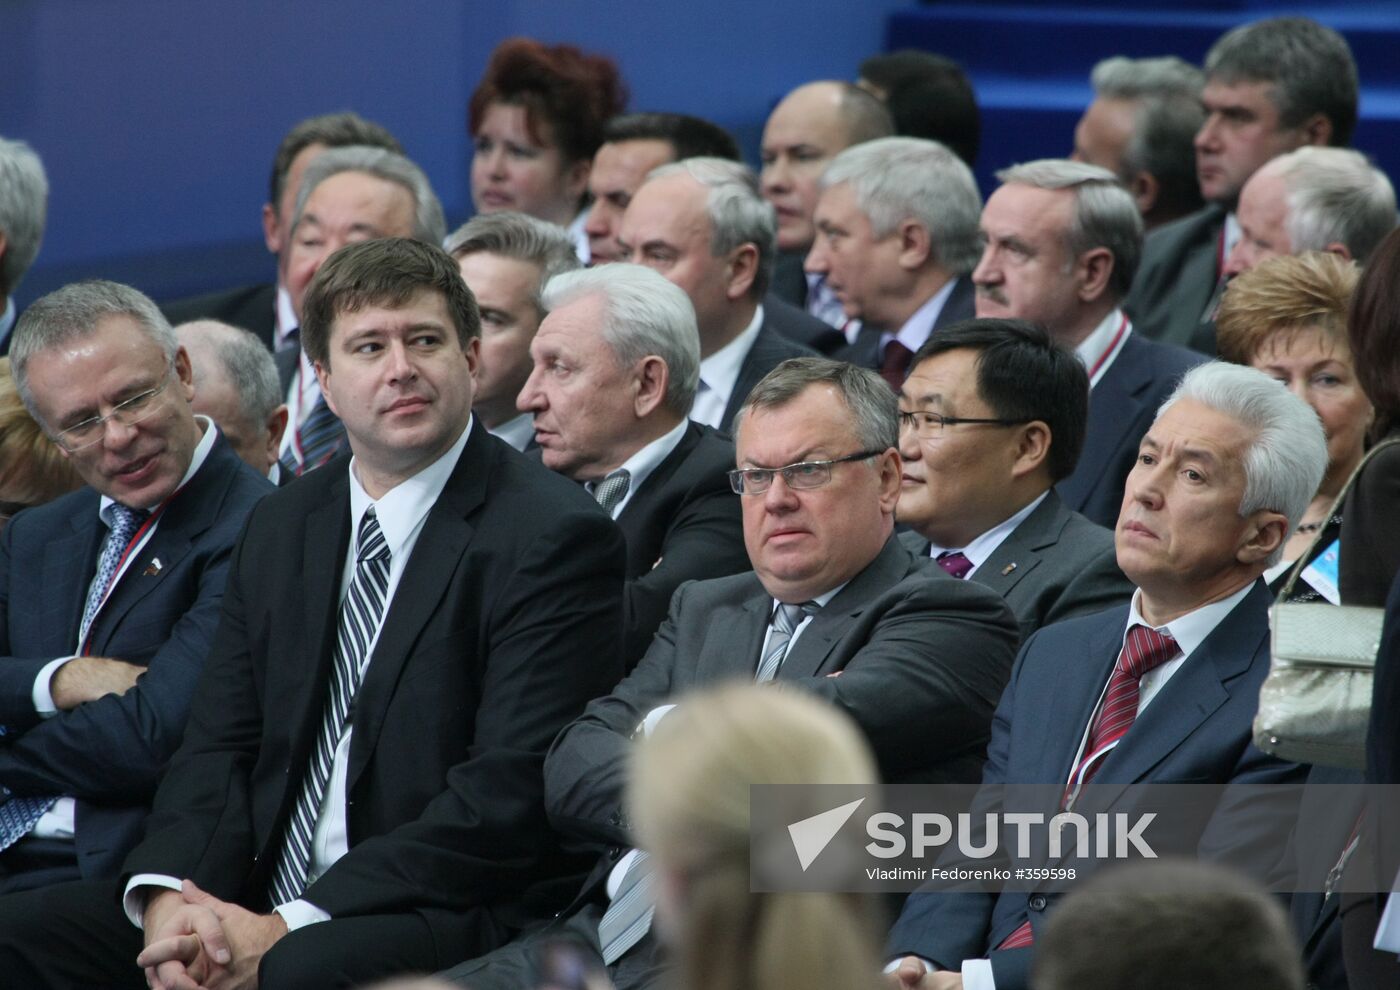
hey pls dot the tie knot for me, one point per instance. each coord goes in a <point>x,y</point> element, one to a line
<point>789,617</point>
<point>370,545</point>
<point>126,520</point>
<point>612,489</point>
<point>1146,649</point>
<point>955,563</point>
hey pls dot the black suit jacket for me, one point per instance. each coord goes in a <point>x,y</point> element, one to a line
<point>1178,273</point>
<point>1122,407</point>
<point>770,349</point>
<point>960,305</point>
<point>109,754</point>
<point>923,659</point>
<point>1054,565</point>
<point>505,622</point>
<point>1197,730</point>
<point>683,524</point>
<point>252,307</point>
<point>801,327</point>
<point>789,281</point>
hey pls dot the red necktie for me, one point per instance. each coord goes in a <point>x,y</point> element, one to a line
<point>1145,649</point>
<point>955,563</point>
<point>895,364</point>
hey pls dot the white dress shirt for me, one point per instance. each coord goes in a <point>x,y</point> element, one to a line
<point>286,323</point>
<point>641,464</point>
<point>579,236</point>
<point>1189,631</point>
<point>1105,342</point>
<point>402,512</point>
<point>58,821</point>
<point>518,432</point>
<point>919,326</point>
<point>719,373</point>
<point>986,544</point>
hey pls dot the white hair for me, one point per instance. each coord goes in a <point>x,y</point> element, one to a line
<point>1335,196</point>
<point>24,196</point>
<point>1288,455</point>
<point>429,226</point>
<point>644,314</point>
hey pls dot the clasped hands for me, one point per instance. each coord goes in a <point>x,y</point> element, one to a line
<point>194,941</point>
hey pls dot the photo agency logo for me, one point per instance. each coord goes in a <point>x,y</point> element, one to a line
<point>899,839</point>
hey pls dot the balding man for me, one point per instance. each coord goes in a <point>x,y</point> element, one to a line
<point>235,385</point>
<point>1062,242</point>
<point>807,129</point>
<point>24,196</point>
<point>896,241</point>
<point>703,225</point>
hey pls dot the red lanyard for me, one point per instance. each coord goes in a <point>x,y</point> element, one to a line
<point>1112,345</point>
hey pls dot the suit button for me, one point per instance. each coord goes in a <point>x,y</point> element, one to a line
<point>1037,902</point>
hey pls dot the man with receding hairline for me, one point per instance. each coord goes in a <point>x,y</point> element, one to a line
<point>236,386</point>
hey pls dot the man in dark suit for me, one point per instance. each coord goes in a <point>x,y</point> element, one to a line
<point>616,422</point>
<point>109,596</point>
<point>1271,86</point>
<point>346,195</point>
<point>24,197</point>
<point>1161,691</point>
<point>896,239</point>
<point>403,635</point>
<point>236,386</point>
<point>836,606</point>
<point>991,416</point>
<point>1062,242</point>
<point>266,308</point>
<point>702,223</point>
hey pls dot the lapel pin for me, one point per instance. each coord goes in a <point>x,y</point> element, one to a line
<point>153,568</point>
<point>1008,568</point>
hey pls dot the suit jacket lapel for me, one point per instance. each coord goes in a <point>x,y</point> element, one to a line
<point>70,562</point>
<point>734,638</point>
<point>958,306</point>
<point>1114,405</point>
<point>325,545</point>
<point>1019,553</point>
<point>444,539</point>
<point>1061,742</point>
<point>808,654</point>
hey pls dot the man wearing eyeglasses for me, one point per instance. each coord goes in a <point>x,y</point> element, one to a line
<point>109,596</point>
<point>991,416</point>
<point>836,606</point>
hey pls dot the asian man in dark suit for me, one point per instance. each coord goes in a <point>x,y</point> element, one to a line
<point>403,635</point>
<point>615,367</point>
<point>836,606</point>
<point>1161,691</point>
<point>703,225</point>
<point>1062,243</point>
<point>896,240</point>
<point>991,416</point>
<point>109,596</point>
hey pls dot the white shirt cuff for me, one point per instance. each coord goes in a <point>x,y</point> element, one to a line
<point>135,896</point>
<point>893,964</point>
<point>299,914</point>
<point>977,975</point>
<point>43,688</point>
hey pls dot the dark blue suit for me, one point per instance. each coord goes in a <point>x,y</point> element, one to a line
<point>110,753</point>
<point>1197,730</point>
<point>1122,407</point>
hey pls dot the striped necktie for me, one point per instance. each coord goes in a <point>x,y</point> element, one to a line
<point>785,622</point>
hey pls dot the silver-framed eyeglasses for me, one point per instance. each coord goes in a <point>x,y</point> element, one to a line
<point>928,425</point>
<point>128,412</point>
<point>803,474</point>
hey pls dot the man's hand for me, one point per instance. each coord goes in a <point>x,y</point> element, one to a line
<point>912,974</point>
<point>224,955</point>
<point>89,678</point>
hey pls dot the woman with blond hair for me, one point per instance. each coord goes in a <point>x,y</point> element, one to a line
<point>689,801</point>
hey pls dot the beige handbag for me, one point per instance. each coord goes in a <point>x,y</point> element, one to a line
<point>1315,704</point>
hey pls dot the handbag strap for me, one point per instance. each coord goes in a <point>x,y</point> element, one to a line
<point>1331,511</point>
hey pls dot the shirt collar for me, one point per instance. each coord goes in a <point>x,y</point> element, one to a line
<point>986,544</point>
<point>1098,351</point>
<point>201,453</point>
<point>1233,233</point>
<point>517,431</point>
<point>720,370</point>
<point>403,507</point>
<point>642,463</point>
<point>1190,630</point>
<point>286,317</point>
<point>919,326</point>
<point>823,599</point>
<point>579,236</point>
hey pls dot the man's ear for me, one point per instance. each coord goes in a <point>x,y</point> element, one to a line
<point>743,269</point>
<point>1266,532</point>
<point>1093,270</point>
<point>1032,448</point>
<point>652,379</point>
<point>1145,189</point>
<point>270,235</point>
<point>274,428</point>
<point>1317,130</point>
<point>915,244</point>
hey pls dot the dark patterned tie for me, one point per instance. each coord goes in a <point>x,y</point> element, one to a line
<point>318,439</point>
<point>360,614</point>
<point>125,522</point>
<point>895,364</point>
<point>612,489</point>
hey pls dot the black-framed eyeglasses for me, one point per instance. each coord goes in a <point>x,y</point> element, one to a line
<point>128,412</point>
<point>803,474</point>
<point>927,425</point>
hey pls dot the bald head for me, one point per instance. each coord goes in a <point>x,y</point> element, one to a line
<point>804,132</point>
<point>235,381</point>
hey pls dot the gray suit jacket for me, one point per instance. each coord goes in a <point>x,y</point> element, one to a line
<point>923,660</point>
<point>1054,565</point>
<point>1174,282</point>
